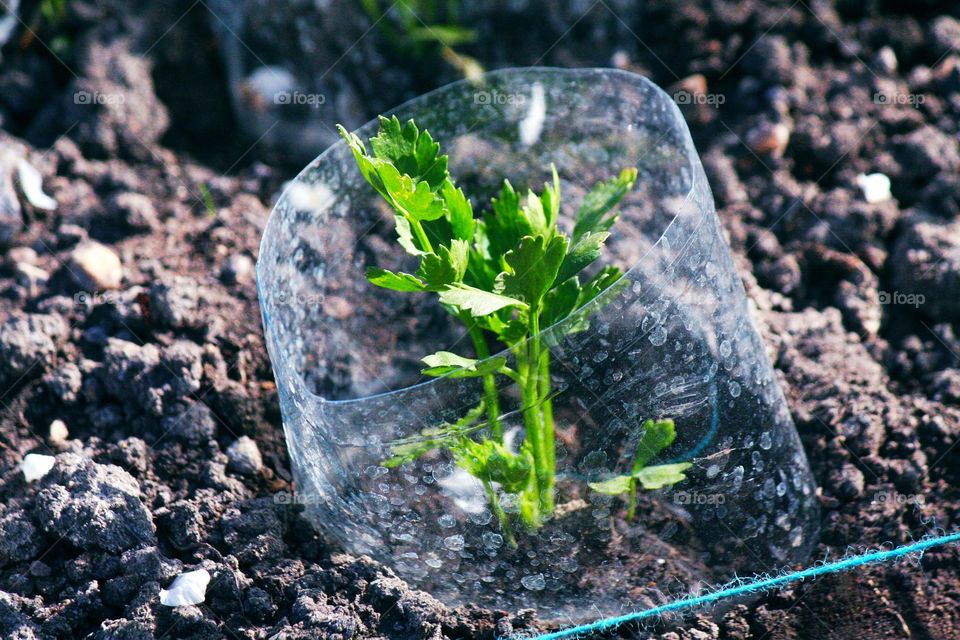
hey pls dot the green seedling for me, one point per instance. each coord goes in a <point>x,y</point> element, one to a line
<point>424,29</point>
<point>657,436</point>
<point>507,275</point>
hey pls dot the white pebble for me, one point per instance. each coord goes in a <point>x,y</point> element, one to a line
<point>187,589</point>
<point>96,266</point>
<point>58,432</point>
<point>36,465</point>
<point>875,187</point>
<point>31,182</point>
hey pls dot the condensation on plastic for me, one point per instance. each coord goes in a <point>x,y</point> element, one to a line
<point>674,339</point>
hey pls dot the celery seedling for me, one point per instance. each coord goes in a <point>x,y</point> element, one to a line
<point>506,275</point>
<point>657,436</point>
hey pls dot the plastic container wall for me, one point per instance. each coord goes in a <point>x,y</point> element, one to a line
<point>672,339</point>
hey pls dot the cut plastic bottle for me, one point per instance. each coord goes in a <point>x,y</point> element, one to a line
<point>672,342</point>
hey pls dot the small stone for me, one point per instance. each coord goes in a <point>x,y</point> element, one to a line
<point>95,266</point>
<point>769,138</point>
<point>135,210</point>
<point>58,432</point>
<point>886,60</point>
<point>337,307</point>
<point>31,278</point>
<point>36,465</point>
<point>237,269</point>
<point>65,382</point>
<point>28,341</point>
<point>187,589</point>
<point>945,35</point>
<point>875,187</point>
<point>244,456</point>
<point>18,255</point>
<point>194,424</point>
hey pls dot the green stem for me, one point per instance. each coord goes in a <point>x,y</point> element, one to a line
<point>632,500</point>
<point>530,499</point>
<point>548,438</point>
<point>491,396</point>
<point>542,437</point>
<point>421,235</point>
<point>501,514</point>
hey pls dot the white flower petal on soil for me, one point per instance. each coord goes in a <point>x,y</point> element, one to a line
<point>187,589</point>
<point>532,124</point>
<point>31,182</point>
<point>36,465</point>
<point>875,187</point>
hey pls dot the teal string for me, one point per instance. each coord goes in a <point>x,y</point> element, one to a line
<point>875,557</point>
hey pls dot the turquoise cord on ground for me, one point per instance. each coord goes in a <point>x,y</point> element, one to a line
<point>753,586</point>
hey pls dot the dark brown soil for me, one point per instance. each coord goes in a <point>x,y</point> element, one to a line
<point>158,379</point>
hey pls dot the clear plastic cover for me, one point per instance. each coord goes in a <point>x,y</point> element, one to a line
<point>672,340</point>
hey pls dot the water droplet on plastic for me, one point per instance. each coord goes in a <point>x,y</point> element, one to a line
<point>492,540</point>
<point>534,583</point>
<point>454,543</point>
<point>734,388</point>
<point>658,337</point>
<point>726,349</point>
<point>766,441</point>
<point>447,521</point>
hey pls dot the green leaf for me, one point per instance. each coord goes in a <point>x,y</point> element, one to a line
<point>405,236</point>
<point>396,281</point>
<point>612,487</point>
<point>447,35</point>
<point>603,280</point>
<point>550,199</point>
<point>662,475</point>
<point>460,211</point>
<point>407,452</point>
<point>444,363</point>
<point>535,215</point>
<point>582,253</point>
<point>512,332</point>
<point>657,436</point>
<point>476,301</point>
<point>491,461</point>
<point>601,199</point>
<point>437,270</point>
<point>414,199</point>
<point>410,151</point>
<point>532,268</point>
<point>506,224</point>
<point>560,302</point>
<point>364,162</point>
